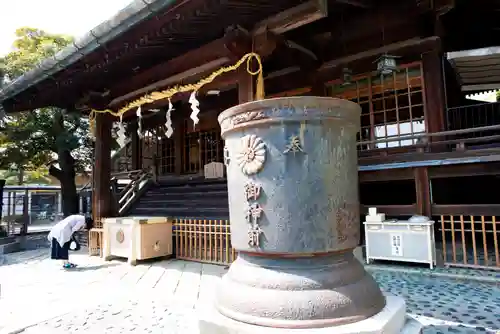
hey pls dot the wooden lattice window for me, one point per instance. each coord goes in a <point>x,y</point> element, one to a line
<point>200,148</point>
<point>167,156</point>
<point>393,106</point>
<point>149,149</point>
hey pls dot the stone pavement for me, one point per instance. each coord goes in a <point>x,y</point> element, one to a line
<point>163,297</point>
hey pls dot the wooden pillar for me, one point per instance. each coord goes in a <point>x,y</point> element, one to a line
<point>246,86</point>
<point>434,91</point>
<point>317,86</point>
<point>422,188</point>
<point>136,147</point>
<point>178,135</point>
<point>102,168</point>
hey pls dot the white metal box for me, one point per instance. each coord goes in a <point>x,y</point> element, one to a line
<point>401,240</point>
<point>137,238</point>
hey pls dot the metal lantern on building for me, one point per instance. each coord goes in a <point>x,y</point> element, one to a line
<point>386,64</point>
<point>346,76</point>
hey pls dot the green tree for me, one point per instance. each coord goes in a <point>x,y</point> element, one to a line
<point>49,138</point>
<point>11,177</point>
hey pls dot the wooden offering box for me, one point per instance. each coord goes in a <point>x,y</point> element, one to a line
<point>137,238</point>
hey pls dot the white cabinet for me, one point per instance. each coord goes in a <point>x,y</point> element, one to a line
<point>137,238</point>
<point>400,240</point>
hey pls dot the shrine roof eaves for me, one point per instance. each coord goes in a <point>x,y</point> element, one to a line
<point>136,12</point>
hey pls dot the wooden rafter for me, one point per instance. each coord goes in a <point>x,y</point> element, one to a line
<point>236,42</point>
<point>293,18</point>
<point>357,3</point>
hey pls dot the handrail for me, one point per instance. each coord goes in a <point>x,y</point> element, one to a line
<point>131,187</point>
<point>133,190</point>
<point>129,174</point>
<point>474,105</point>
<point>430,134</point>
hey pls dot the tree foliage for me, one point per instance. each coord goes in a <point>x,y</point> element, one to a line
<point>30,47</point>
<point>49,138</point>
<point>32,177</point>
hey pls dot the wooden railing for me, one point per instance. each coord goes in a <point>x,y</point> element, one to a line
<point>138,181</point>
<point>203,240</point>
<point>474,115</point>
<point>468,235</point>
<point>95,239</point>
<point>438,142</point>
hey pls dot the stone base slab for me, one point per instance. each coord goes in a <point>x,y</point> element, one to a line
<point>391,320</point>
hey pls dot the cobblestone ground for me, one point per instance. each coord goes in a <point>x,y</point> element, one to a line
<point>162,297</point>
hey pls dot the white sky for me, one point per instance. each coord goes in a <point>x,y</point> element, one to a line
<point>70,17</point>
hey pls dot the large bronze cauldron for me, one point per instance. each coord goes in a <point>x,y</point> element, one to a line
<point>294,211</point>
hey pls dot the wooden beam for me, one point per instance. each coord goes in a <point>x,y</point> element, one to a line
<point>238,41</point>
<point>218,53</point>
<point>490,168</point>
<point>292,77</point>
<point>466,209</point>
<point>423,192</point>
<point>359,26</point>
<point>192,59</point>
<point>357,3</point>
<point>440,7</point>
<point>293,18</point>
<point>414,43</point>
<point>385,175</point>
<point>197,71</point>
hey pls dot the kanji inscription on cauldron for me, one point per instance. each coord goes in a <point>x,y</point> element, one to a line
<point>252,191</point>
<point>253,213</point>
<point>227,158</point>
<point>254,236</point>
<point>294,145</point>
<point>347,223</point>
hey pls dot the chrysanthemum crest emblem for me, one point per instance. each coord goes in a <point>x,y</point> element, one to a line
<point>252,154</point>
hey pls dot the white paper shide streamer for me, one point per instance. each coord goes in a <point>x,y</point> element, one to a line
<point>168,122</point>
<point>194,107</point>
<point>139,122</point>
<point>122,137</point>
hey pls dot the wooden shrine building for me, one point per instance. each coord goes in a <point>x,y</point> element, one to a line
<point>424,147</point>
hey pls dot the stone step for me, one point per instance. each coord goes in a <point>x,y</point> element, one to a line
<point>11,247</point>
<point>185,212</point>
<point>168,202</point>
<point>7,240</point>
<point>188,189</point>
<point>193,193</point>
<point>198,198</point>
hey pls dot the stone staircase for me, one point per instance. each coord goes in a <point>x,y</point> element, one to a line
<point>195,198</point>
<point>9,245</point>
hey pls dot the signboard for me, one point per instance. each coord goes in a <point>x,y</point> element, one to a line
<point>396,244</point>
